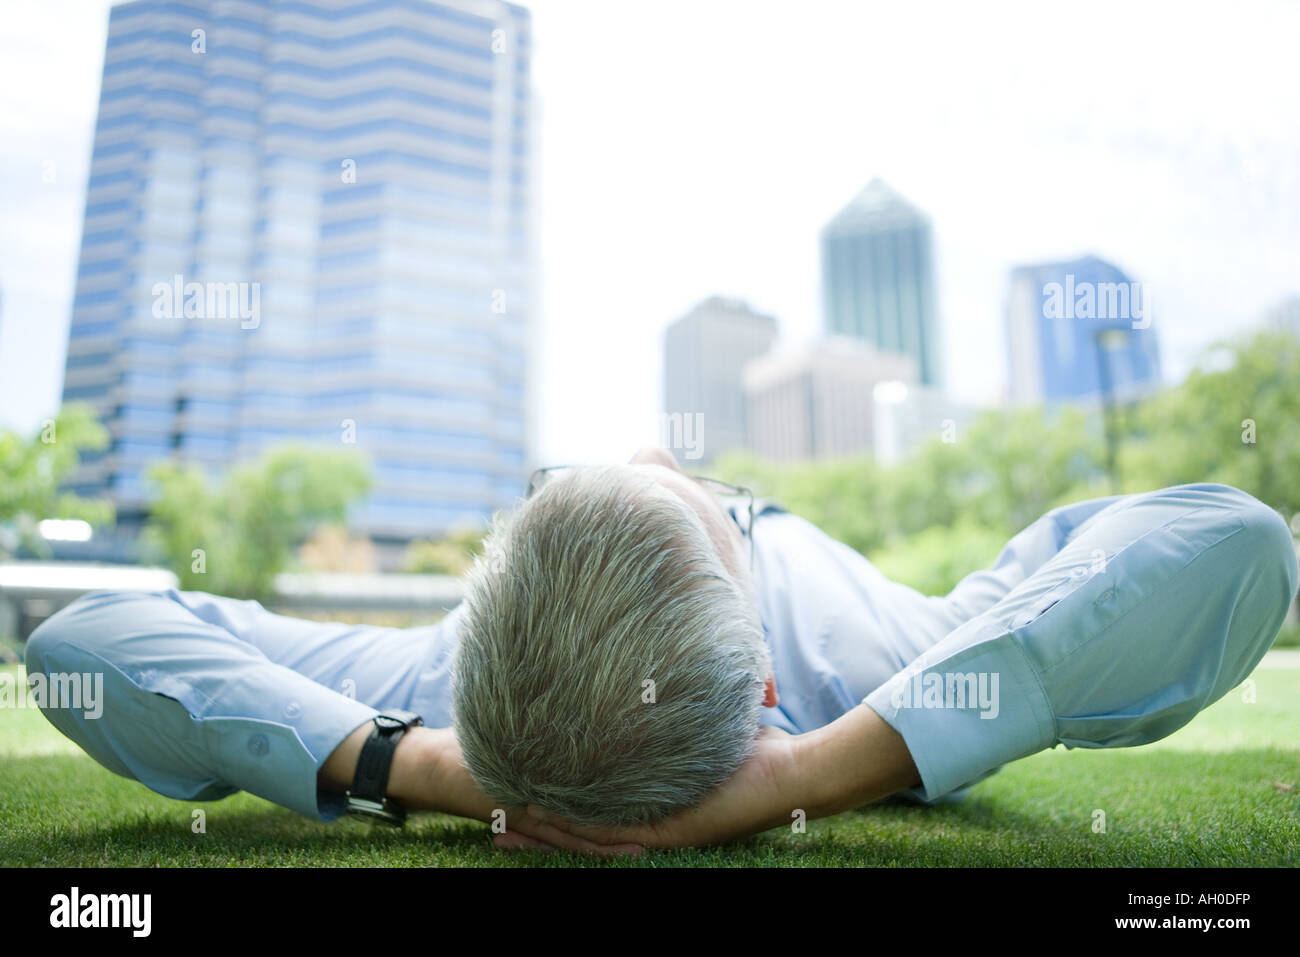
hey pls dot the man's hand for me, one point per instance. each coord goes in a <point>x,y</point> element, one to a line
<point>763,793</point>
<point>448,784</point>
<point>854,760</point>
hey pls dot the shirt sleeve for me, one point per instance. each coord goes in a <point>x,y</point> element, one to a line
<point>1157,606</point>
<point>190,709</point>
<point>965,707</point>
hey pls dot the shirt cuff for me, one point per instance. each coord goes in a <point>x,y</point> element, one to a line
<point>279,760</point>
<point>964,714</point>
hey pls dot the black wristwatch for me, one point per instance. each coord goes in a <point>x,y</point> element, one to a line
<point>369,794</point>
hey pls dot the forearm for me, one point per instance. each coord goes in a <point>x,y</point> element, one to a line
<point>426,775</point>
<point>854,760</point>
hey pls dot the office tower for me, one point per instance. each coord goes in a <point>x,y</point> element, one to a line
<point>817,401</point>
<point>1077,330</point>
<point>1285,316</point>
<point>311,220</point>
<point>705,352</point>
<point>878,277</point>
<point>907,416</point>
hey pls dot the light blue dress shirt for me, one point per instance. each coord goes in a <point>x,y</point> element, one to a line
<point>1107,623</point>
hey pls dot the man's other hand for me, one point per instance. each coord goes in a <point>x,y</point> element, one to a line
<point>757,797</point>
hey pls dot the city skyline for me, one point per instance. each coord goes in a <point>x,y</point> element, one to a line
<point>1173,167</point>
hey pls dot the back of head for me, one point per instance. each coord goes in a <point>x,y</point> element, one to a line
<point>609,669</point>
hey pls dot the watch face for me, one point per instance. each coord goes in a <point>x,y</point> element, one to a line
<point>388,722</point>
<point>382,811</point>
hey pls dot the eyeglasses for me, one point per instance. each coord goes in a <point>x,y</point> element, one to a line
<point>724,490</point>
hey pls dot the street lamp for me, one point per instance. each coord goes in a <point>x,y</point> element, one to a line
<point>1108,341</point>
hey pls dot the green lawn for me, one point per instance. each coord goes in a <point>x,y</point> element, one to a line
<point>1224,791</point>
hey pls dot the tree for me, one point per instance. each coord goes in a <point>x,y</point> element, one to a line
<point>451,555</point>
<point>935,560</point>
<point>1238,424</point>
<point>236,538</point>
<point>32,471</point>
<point>1006,468</point>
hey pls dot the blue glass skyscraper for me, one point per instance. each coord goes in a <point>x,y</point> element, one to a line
<point>1077,330</point>
<point>878,277</point>
<point>312,220</point>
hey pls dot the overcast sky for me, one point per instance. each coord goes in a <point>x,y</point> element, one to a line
<point>694,147</point>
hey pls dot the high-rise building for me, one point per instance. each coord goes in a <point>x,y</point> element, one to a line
<point>312,220</point>
<point>817,401</point>
<point>1285,316</point>
<point>705,352</point>
<point>908,416</point>
<point>1078,330</point>
<point>878,277</point>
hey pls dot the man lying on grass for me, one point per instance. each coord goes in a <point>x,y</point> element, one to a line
<point>611,679</point>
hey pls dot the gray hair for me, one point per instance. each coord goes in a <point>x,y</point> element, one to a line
<point>609,669</point>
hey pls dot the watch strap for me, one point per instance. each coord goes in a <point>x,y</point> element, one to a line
<point>370,783</point>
